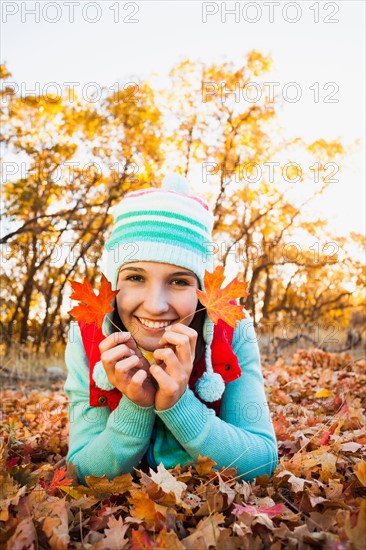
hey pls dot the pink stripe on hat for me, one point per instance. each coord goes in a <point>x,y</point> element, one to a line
<point>134,194</point>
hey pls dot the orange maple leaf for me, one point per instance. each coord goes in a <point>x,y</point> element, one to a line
<point>218,301</point>
<point>93,307</point>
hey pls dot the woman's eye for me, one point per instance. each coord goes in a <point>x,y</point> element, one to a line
<point>180,282</point>
<point>134,278</point>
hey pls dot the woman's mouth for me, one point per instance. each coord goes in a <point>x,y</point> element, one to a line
<point>154,326</point>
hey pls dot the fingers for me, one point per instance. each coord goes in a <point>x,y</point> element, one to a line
<point>128,373</point>
<point>110,362</point>
<point>117,353</point>
<point>115,347</point>
<point>184,338</point>
<point>183,329</point>
<point>115,339</point>
<point>172,364</point>
<point>166,383</point>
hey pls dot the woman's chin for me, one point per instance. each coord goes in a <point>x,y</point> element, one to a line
<point>148,342</point>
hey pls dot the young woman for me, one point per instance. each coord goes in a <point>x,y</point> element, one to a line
<point>165,384</point>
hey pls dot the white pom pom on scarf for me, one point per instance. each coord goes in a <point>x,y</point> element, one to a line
<point>210,386</point>
<point>100,377</point>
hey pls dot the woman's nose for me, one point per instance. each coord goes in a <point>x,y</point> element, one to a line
<point>156,300</point>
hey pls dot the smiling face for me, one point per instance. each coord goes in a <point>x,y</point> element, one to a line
<point>152,296</point>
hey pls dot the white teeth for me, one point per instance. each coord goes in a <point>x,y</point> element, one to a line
<point>154,324</point>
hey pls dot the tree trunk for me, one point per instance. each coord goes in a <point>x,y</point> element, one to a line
<point>267,295</point>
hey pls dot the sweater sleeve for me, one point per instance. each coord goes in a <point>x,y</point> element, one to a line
<point>100,441</point>
<point>242,436</point>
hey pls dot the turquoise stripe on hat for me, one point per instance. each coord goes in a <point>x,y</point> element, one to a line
<point>145,226</point>
<point>155,236</point>
<point>162,231</point>
<point>162,213</point>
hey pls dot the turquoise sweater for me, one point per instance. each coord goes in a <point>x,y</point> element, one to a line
<point>112,443</point>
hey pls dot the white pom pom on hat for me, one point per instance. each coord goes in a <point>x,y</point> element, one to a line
<point>175,182</point>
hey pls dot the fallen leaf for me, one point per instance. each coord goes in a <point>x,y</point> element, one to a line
<point>205,534</point>
<point>140,541</point>
<point>24,536</point>
<point>327,460</point>
<point>360,471</point>
<point>334,489</point>
<point>297,483</point>
<point>167,482</point>
<point>144,509</point>
<point>168,540</point>
<point>324,393</point>
<point>214,501</point>
<point>351,447</point>
<point>271,511</point>
<point>226,490</point>
<point>204,465</point>
<point>325,438</point>
<point>356,533</point>
<point>58,480</point>
<point>102,485</point>
<point>115,534</point>
<point>55,525</point>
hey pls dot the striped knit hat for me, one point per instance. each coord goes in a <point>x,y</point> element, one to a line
<point>168,225</point>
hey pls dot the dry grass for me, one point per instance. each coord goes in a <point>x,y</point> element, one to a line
<point>330,339</point>
<point>23,365</point>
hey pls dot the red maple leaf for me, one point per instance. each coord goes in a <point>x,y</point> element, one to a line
<point>93,307</point>
<point>218,301</point>
<point>12,461</point>
<point>59,479</point>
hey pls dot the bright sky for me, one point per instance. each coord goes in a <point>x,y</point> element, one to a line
<point>322,50</point>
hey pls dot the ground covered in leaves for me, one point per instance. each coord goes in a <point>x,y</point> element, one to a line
<point>315,499</point>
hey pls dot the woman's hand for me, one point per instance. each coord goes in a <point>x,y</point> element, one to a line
<point>127,369</point>
<point>173,364</point>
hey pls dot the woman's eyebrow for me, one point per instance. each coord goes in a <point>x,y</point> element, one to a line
<point>132,269</point>
<point>175,274</point>
<point>184,273</point>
